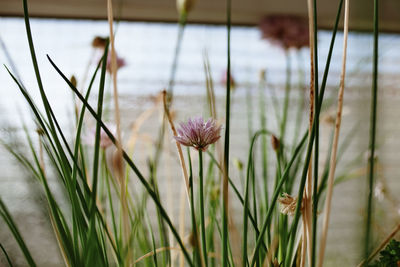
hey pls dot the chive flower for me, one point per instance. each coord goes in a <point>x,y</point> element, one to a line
<point>120,62</point>
<point>105,141</point>
<point>287,31</point>
<point>198,133</point>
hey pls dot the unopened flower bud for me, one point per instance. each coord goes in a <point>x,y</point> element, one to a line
<point>275,143</point>
<point>99,42</point>
<point>185,6</point>
<point>215,193</point>
<point>192,240</point>
<point>262,74</point>
<point>73,81</point>
<point>238,163</point>
<point>40,131</point>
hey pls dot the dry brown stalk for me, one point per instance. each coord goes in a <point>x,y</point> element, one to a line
<point>271,250</point>
<point>138,124</point>
<point>178,146</point>
<point>303,244</point>
<point>119,167</point>
<point>332,169</point>
<point>306,218</point>
<point>151,253</point>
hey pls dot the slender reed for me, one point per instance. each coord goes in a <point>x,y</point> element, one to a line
<point>287,95</point>
<point>312,218</point>
<point>196,243</point>
<point>171,81</point>
<point>225,204</point>
<point>335,140</point>
<point>264,147</point>
<point>5,214</point>
<point>202,220</point>
<point>178,145</point>
<point>306,218</point>
<point>372,132</point>
<point>119,161</point>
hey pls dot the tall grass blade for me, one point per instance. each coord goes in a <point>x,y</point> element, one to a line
<point>372,137</point>
<point>5,214</point>
<point>225,193</point>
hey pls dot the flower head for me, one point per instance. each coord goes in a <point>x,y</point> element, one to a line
<point>184,6</point>
<point>105,141</point>
<point>198,134</point>
<point>99,42</point>
<point>120,62</point>
<point>288,31</point>
<point>224,79</point>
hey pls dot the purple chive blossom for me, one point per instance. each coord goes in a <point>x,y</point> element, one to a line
<point>198,134</point>
<point>105,141</point>
<point>120,62</point>
<point>288,31</point>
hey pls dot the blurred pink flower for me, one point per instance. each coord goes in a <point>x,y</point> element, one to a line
<point>105,141</point>
<point>224,79</point>
<point>198,134</point>
<point>120,62</point>
<point>288,31</point>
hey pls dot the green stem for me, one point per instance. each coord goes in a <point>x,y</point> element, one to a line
<point>196,251</point>
<point>374,96</point>
<point>264,148</point>
<point>249,112</point>
<point>287,94</point>
<point>275,198</point>
<point>225,240</point>
<point>300,113</point>
<point>171,82</point>
<point>202,220</point>
<point>316,148</point>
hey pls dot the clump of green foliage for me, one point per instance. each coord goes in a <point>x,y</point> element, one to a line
<point>390,256</point>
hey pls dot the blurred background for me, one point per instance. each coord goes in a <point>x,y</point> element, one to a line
<point>146,39</point>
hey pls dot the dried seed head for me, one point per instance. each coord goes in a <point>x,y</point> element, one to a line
<point>288,204</point>
<point>379,191</point>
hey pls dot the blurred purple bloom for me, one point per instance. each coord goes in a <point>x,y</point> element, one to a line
<point>198,134</point>
<point>120,62</point>
<point>288,31</point>
<point>105,141</point>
